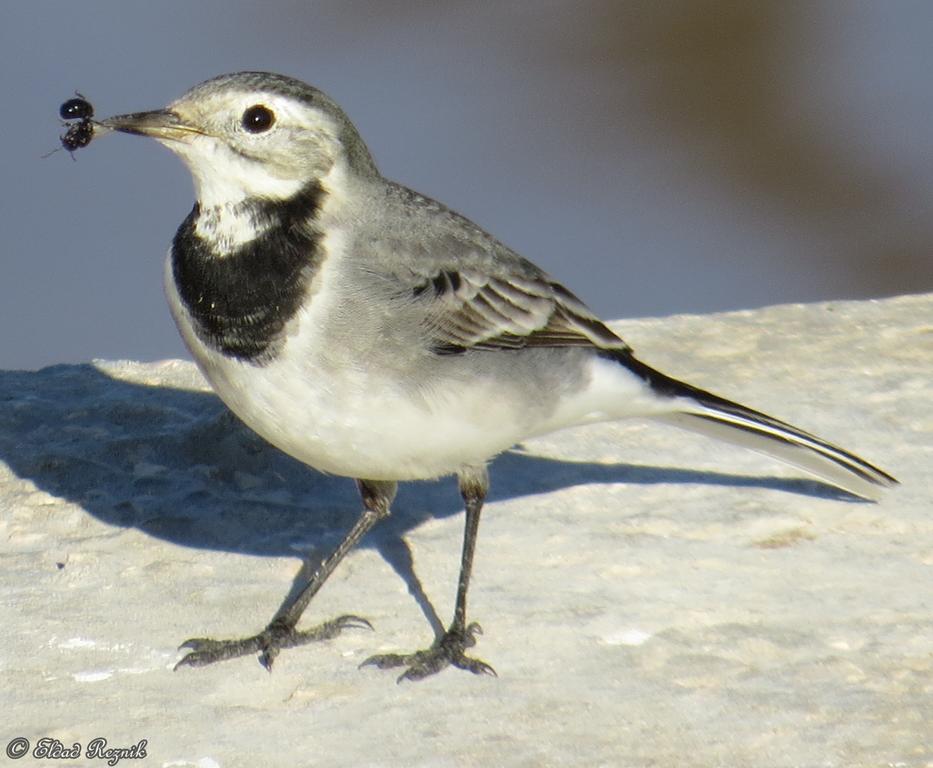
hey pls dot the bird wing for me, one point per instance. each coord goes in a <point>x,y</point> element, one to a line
<point>471,309</point>
<point>470,291</point>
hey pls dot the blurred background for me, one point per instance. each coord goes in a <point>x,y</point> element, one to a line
<point>656,157</point>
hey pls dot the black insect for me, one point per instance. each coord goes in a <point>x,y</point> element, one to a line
<point>77,109</point>
<point>80,133</point>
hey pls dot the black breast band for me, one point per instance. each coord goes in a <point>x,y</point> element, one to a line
<point>240,301</point>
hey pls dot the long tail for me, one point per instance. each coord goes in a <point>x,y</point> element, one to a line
<point>714,416</point>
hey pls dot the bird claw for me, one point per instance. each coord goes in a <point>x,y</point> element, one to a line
<point>274,638</point>
<point>448,650</point>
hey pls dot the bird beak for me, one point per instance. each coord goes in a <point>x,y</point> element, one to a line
<point>161,124</point>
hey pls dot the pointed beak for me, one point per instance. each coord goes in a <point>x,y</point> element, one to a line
<point>161,124</point>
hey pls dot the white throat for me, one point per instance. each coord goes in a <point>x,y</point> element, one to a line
<point>223,182</point>
<point>226,227</point>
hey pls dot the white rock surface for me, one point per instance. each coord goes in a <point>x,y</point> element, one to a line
<point>648,598</point>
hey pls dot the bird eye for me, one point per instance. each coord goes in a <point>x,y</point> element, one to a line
<point>258,118</point>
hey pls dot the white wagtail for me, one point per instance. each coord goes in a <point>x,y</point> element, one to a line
<point>371,332</point>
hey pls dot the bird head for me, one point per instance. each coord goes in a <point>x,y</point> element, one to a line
<point>252,135</point>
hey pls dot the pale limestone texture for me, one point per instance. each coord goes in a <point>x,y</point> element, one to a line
<point>649,598</point>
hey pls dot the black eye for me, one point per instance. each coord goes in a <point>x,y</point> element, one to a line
<point>258,118</point>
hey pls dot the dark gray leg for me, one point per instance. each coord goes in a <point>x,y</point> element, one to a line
<point>450,647</point>
<point>281,632</point>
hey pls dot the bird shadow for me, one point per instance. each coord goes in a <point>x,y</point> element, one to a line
<point>177,465</point>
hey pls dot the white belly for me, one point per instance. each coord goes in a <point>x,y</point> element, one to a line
<point>342,416</point>
<point>356,425</point>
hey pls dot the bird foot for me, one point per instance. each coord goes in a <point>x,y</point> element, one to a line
<point>269,642</point>
<point>448,650</point>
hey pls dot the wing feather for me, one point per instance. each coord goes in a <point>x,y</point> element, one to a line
<point>471,310</point>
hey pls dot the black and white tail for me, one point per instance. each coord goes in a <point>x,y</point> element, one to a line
<point>716,417</point>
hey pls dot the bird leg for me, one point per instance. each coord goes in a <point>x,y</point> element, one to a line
<point>281,632</point>
<point>450,647</point>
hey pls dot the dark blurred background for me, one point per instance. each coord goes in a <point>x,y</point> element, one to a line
<point>657,157</point>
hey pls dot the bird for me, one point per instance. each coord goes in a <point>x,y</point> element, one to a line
<point>371,332</point>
